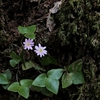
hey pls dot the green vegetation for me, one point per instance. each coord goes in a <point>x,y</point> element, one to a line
<point>61,64</point>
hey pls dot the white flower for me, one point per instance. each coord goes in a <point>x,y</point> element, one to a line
<point>40,51</point>
<point>28,44</point>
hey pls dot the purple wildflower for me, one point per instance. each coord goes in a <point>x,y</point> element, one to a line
<point>40,51</point>
<point>28,44</point>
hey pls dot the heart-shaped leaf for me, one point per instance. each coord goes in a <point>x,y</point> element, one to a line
<point>77,78</point>
<point>43,90</point>
<point>28,31</point>
<point>15,59</point>
<point>21,88</point>
<point>46,92</point>
<point>24,91</point>
<point>66,80</point>
<point>30,64</point>
<point>26,82</point>
<point>14,87</point>
<point>27,65</point>
<point>3,79</point>
<point>12,63</point>
<point>52,85</point>
<point>48,60</point>
<point>40,80</point>
<point>36,88</point>
<point>8,74</point>
<point>31,35</point>
<point>75,66</point>
<point>55,73</point>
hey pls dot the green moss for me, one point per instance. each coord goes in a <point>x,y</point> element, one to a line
<point>78,19</point>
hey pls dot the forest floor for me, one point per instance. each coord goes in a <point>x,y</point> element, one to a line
<point>30,12</point>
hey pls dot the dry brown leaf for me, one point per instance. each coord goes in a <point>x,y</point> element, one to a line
<point>50,23</point>
<point>57,6</point>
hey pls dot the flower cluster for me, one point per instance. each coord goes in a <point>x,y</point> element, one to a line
<point>39,50</point>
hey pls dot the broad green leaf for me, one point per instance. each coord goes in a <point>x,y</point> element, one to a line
<point>55,73</point>
<point>31,36</point>
<point>37,67</point>
<point>14,87</point>
<point>46,92</point>
<point>77,78</point>
<point>15,59</point>
<point>12,63</point>
<point>40,80</point>
<point>27,65</point>
<point>24,91</point>
<point>75,66</point>
<point>3,79</point>
<point>8,74</point>
<point>30,64</point>
<point>48,60</point>
<point>23,30</point>
<point>28,31</point>
<point>66,80</point>
<point>52,85</point>
<point>26,82</point>
<point>36,88</point>
<point>43,90</point>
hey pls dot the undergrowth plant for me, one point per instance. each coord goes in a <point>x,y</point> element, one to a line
<point>74,44</point>
<point>47,82</point>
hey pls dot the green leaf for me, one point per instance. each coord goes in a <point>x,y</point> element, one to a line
<point>52,85</point>
<point>26,82</point>
<point>15,59</point>
<point>40,80</point>
<point>31,36</point>
<point>12,63</point>
<point>28,31</point>
<point>43,90</point>
<point>75,66</point>
<point>23,30</point>
<point>8,74</point>
<point>24,91</point>
<point>55,73</point>
<point>5,86</point>
<point>14,87</point>
<point>36,88</point>
<point>27,65</point>
<point>46,92</point>
<point>48,60</point>
<point>66,80</point>
<point>77,78</point>
<point>37,67</point>
<point>30,64</point>
<point>3,79</point>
